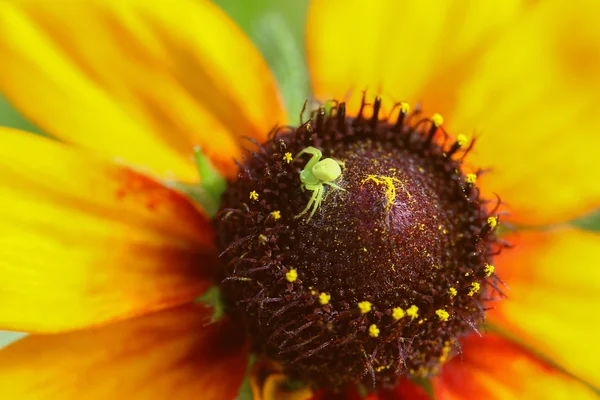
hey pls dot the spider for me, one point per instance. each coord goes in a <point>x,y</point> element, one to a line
<point>315,174</point>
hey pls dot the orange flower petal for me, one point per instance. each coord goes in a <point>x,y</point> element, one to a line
<point>174,354</point>
<point>395,49</point>
<point>553,299</point>
<point>533,102</point>
<point>494,368</point>
<point>85,241</point>
<point>138,79</point>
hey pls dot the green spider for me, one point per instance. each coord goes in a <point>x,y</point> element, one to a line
<point>315,174</point>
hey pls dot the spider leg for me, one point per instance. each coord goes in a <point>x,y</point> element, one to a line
<point>310,150</point>
<point>316,157</point>
<point>335,186</point>
<point>315,190</point>
<point>320,191</point>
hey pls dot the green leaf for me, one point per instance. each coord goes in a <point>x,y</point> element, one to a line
<point>212,297</point>
<point>211,181</point>
<point>589,222</point>
<point>245,392</point>
<point>7,337</point>
<point>10,117</point>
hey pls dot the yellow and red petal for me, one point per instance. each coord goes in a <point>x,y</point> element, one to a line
<point>495,368</point>
<point>554,294</point>
<point>137,79</point>
<point>173,354</point>
<point>532,101</point>
<point>86,241</point>
<point>395,49</point>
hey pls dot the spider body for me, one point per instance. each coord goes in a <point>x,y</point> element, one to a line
<point>315,175</point>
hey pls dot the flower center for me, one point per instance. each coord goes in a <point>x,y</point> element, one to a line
<point>356,249</point>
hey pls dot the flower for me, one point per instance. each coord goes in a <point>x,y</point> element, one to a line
<point>102,262</point>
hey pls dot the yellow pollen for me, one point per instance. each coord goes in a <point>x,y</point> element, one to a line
<point>437,119</point>
<point>489,269</point>
<point>445,352</point>
<point>475,286</point>
<point>291,275</point>
<point>253,195</point>
<point>471,178</point>
<point>324,298</point>
<point>262,239</point>
<point>364,307</point>
<point>390,188</point>
<point>288,157</point>
<point>413,311</point>
<point>373,330</point>
<point>492,222</point>
<point>276,214</point>
<point>398,313</point>
<point>453,292</point>
<point>404,107</point>
<point>461,140</point>
<point>442,314</point>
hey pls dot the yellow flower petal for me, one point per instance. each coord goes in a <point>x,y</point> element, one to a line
<point>554,294</point>
<point>397,48</point>
<point>141,80</point>
<point>174,354</point>
<point>85,242</point>
<point>523,76</point>
<point>533,102</point>
<point>494,368</point>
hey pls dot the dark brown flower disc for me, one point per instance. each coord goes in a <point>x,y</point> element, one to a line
<point>390,271</point>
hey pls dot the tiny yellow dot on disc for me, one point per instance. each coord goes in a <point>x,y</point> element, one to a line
<point>437,119</point>
<point>373,330</point>
<point>398,313</point>
<point>413,311</point>
<point>291,275</point>
<point>442,314</point>
<point>364,307</point>
<point>404,107</point>
<point>324,298</point>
